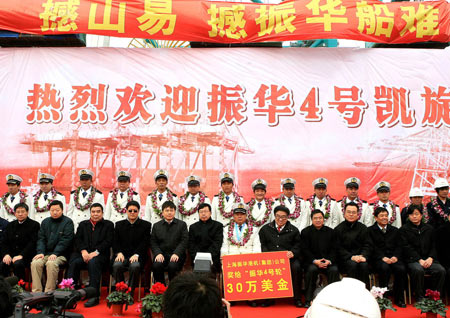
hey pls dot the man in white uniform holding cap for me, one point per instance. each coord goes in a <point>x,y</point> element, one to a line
<point>14,196</point>
<point>416,198</point>
<point>260,207</point>
<point>119,197</point>
<point>82,198</point>
<point>295,204</point>
<point>439,206</point>
<point>383,189</point>
<point>351,187</point>
<point>222,203</point>
<point>191,200</point>
<point>321,200</point>
<point>39,209</point>
<point>157,197</point>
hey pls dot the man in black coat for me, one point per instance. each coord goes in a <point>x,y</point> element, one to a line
<point>19,243</point>
<point>319,251</point>
<point>353,245</point>
<point>206,236</point>
<point>130,247</point>
<point>386,254</point>
<point>281,235</point>
<point>419,249</point>
<point>169,242</point>
<point>443,247</point>
<point>93,242</point>
<point>439,206</point>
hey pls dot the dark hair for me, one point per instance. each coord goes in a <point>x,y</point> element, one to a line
<point>441,188</point>
<point>192,295</point>
<point>133,203</point>
<point>97,205</point>
<point>379,210</point>
<point>168,204</point>
<point>21,205</point>
<point>316,211</point>
<point>414,207</point>
<point>351,204</point>
<point>281,208</point>
<point>204,205</point>
<point>56,202</point>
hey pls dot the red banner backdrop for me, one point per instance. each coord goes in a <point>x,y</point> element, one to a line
<point>228,22</point>
<point>257,276</point>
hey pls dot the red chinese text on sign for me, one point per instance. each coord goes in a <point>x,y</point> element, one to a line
<point>226,105</point>
<point>132,104</point>
<point>393,107</point>
<point>88,104</point>
<point>310,107</point>
<point>437,107</point>
<point>273,102</point>
<point>349,104</point>
<point>181,105</point>
<point>45,104</point>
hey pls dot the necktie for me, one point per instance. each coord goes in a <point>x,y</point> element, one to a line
<point>385,205</point>
<point>84,194</point>
<point>383,230</point>
<point>227,197</point>
<point>121,194</point>
<point>192,197</point>
<point>259,205</point>
<point>279,229</point>
<point>320,202</point>
<point>160,196</point>
<point>12,198</point>
<point>240,228</point>
<point>45,196</point>
<point>290,200</point>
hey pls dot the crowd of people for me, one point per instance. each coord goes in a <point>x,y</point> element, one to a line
<point>319,234</point>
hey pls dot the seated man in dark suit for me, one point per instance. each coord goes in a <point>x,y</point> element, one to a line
<point>419,249</point>
<point>206,236</point>
<point>131,241</point>
<point>169,243</point>
<point>19,243</point>
<point>319,253</point>
<point>93,242</point>
<point>443,248</point>
<point>386,254</point>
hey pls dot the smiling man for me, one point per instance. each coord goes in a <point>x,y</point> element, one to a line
<point>44,197</point>
<point>222,203</point>
<point>13,197</point>
<point>191,200</point>
<point>322,201</point>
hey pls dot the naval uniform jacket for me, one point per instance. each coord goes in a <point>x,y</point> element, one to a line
<point>78,215</point>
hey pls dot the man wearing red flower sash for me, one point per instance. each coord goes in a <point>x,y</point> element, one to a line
<point>13,197</point>
<point>82,198</point>
<point>416,198</point>
<point>260,207</point>
<point>41,200</point>
<point>157,197</point>
<point>322,201</point>
<point>383,189</point>
<point>439,206</point>
<point>119,197</point>
<point>351,187</point>
<point>295,204</point>
<point>223,202</point>
<point>189,202</point>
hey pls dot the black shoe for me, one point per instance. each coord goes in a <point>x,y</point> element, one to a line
<point>298,303</point>
<point>268,303</point>
<point>91,302</point>
<point>400,304</point>
<point>252,303</point>
<point>307,304</point>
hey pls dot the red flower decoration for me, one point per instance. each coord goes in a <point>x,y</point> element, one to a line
<point>122,287</point>
<point>433,294</point>
<point>21,283</point>
<point>158,289</point>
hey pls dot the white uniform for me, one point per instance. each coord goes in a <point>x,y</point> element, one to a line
<point>304,218</point>
<point>365,216</point>
<point>252,246</point>
<point>188,205</point>
<point>398,219</point>
<point>150,214</point>
<point>111,213</point>
<point>78,215</point>
<point>332,220</point>
<point>259,212</point>
<point>217,214</point>
<point>42,202</point>
<point>11,204</point>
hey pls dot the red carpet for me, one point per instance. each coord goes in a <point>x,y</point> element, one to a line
<point>283,308</point>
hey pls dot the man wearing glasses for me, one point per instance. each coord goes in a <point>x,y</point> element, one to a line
<point>281,235</point>
<point>131,241</point>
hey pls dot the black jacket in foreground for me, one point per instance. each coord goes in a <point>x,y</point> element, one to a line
<point>418,242</point>
<point>318,244</point>
<point>384,244</point>
<point>20,239</point>
<point>287,240</point>
<point>130,239</point>
<point>352,240</point>
<point>436,220</point>
<point>443,244</point>
<point>168,239</point>
<point>100,239</point>
<point>206,237</point>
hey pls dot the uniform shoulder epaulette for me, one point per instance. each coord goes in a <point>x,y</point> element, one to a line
<point>174,195</point>
<point>73,191</point>
<point>339,201</point>
<point>216,195</point>
<point>332,199</point>
<point>397,206</point>
<point>111,191</point>
<point>276,199</point>
<point>57,192</point>
<point>371,203</point>
<point>98,191</point>
<point>135,193</point>
<point>363,201</point>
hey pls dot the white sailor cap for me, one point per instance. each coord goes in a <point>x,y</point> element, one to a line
<point>193,180</point>
<point>288,183</point>
<point>46,177</point>
<point>440,183</point>
<point>226,176</point>
<point>383,186</point>
<point>123,175</point>
<point>240,208</point>
<point>415,192</point>
<point>320,183</point>
<point>85,174</point>
<point>13,178</point>
<point>259,184</point>
<point>352,182</point>
<point>161,173</point>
